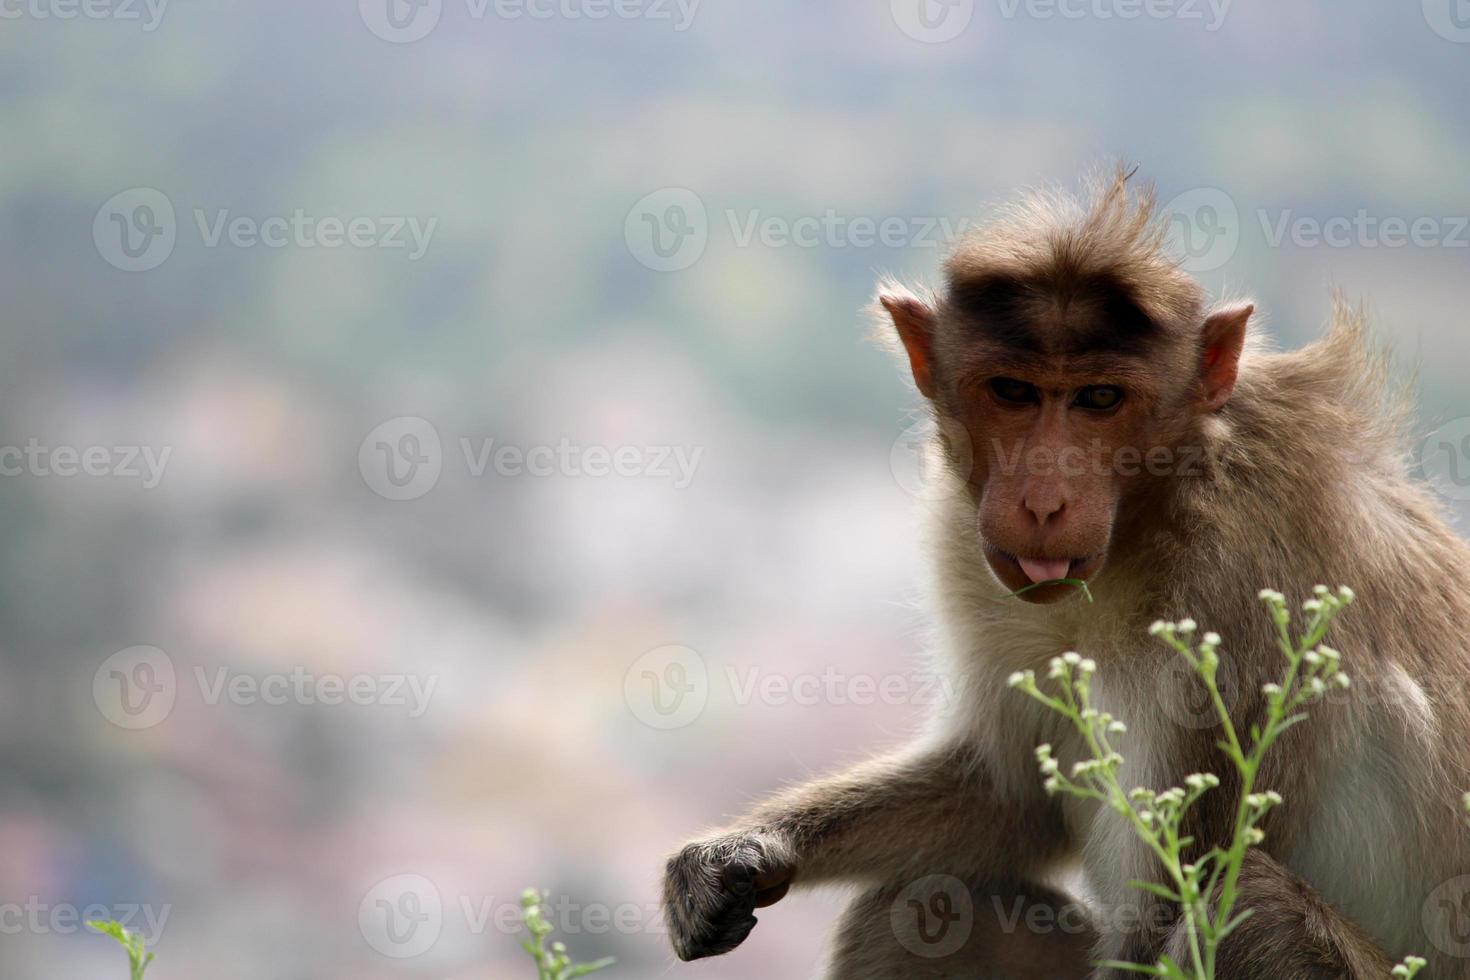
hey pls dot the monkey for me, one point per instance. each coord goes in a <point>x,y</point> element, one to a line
<point>1063,334</point>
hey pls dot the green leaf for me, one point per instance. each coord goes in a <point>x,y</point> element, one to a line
<point>1229,927</point>
<point>1148,971</point>
<point>1056,581</point>
<point>131,942</point>
<point>1155,889</point>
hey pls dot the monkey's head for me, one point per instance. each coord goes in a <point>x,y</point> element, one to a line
<point>1069,363</point>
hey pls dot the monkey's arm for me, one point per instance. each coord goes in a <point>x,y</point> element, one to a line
<point>895,818</point>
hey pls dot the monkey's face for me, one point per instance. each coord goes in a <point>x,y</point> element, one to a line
<point>1052,452</point>
<point>1058,409</point>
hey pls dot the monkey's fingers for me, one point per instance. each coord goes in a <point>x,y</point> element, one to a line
<point>770,896</point>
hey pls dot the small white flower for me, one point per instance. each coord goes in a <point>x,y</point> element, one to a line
<point>1188,626</point>
<point>1072,659</point>
<point>1271,690</point>
<point>1159,628</point>
<point>1212,639</point>
<point>1087,666</point>
<point>1346,594</point>
<point>1016,679</point>
<point>1117,728</point>
<point>1312,606</point>
<point>1342,681</point>
<point>1321,591</point>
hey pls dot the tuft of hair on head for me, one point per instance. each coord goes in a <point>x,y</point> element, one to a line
<point>1112,230</point>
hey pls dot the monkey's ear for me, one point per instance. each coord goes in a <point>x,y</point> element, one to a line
<point>1224,340</point>
<point>914,321</point>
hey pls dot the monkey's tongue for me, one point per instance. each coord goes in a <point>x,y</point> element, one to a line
<point>1044,570</point>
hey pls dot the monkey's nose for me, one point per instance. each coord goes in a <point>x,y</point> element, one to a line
<point>1046,509</point>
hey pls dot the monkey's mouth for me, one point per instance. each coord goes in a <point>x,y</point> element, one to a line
<point>1017,572</point>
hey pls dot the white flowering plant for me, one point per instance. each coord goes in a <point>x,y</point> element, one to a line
<point>131,942</point>
<point>1204,886</point>
<point>553,962</point>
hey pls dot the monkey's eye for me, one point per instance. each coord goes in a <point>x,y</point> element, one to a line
<point>1099,398</point>
<point>1015,392</point>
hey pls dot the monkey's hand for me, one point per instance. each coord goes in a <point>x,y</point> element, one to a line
<point>713,887</point>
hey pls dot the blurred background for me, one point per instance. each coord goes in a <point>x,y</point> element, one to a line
<point>439,448</point>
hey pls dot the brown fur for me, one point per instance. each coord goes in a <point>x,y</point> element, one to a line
<point>1301,479</point>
